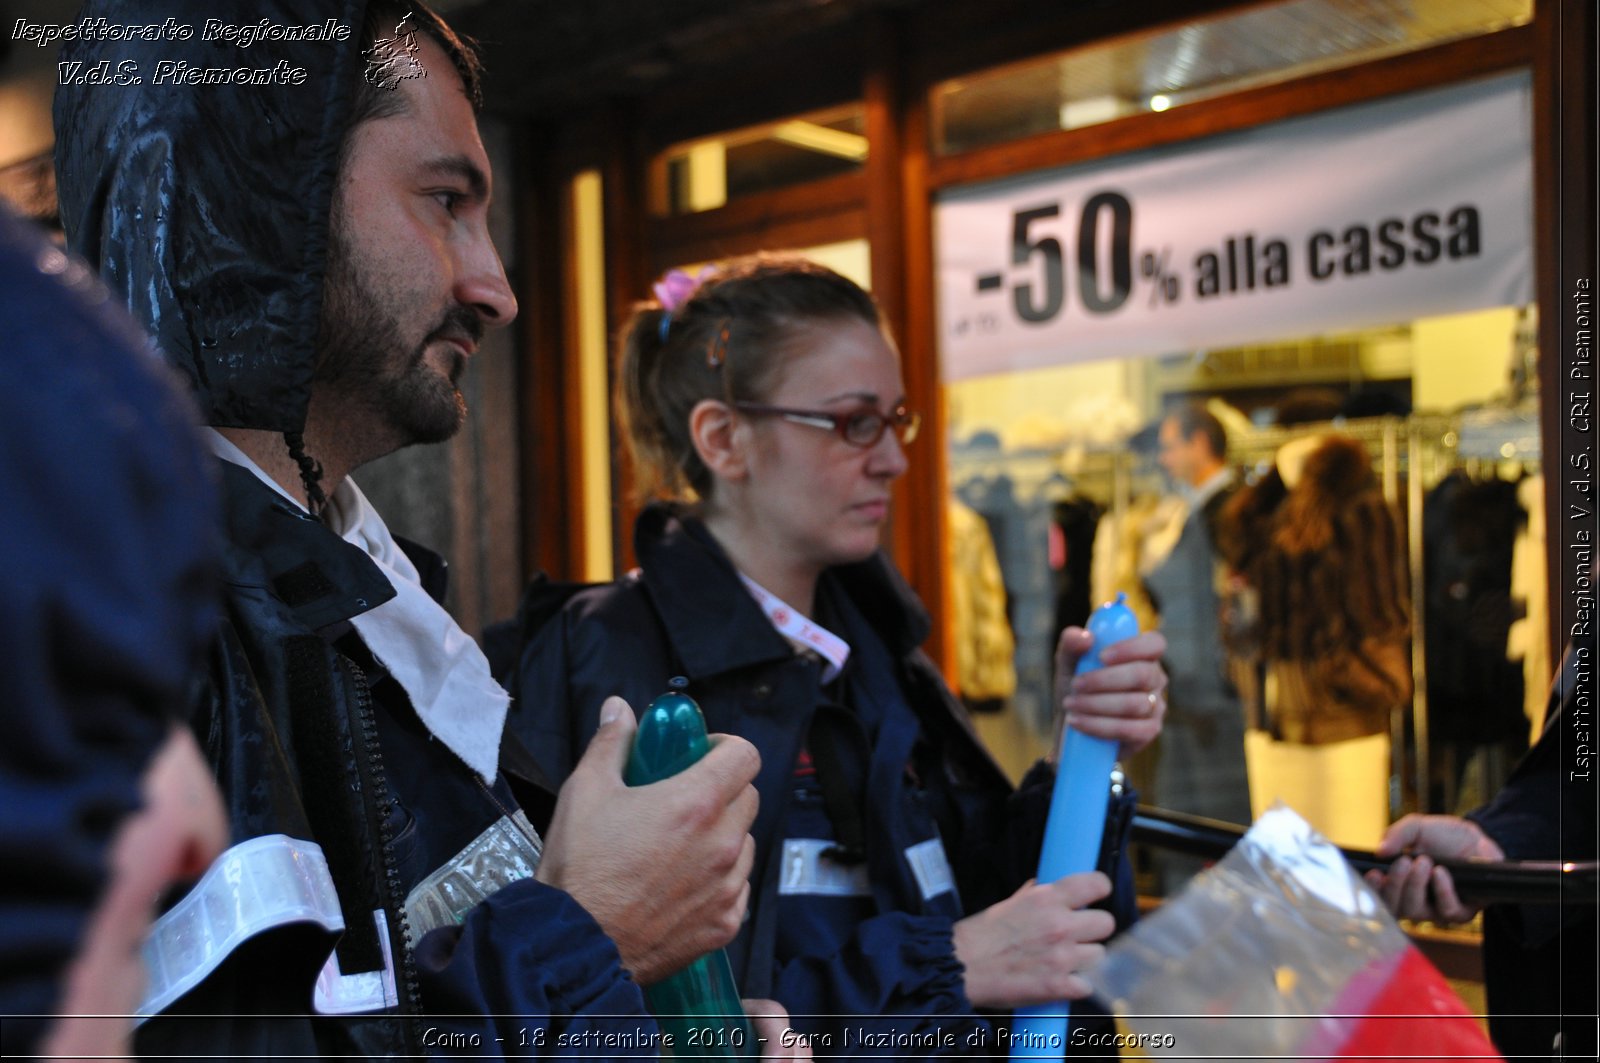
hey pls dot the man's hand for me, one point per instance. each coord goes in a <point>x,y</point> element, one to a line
<point>1415,887</point>
<point>664,869</point>
<point>1125,700</point>
<point>1028,948</point>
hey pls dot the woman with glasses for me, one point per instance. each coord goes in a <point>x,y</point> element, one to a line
<point>890,902</point>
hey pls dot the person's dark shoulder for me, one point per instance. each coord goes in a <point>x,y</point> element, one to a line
<point>611,627</point>
<point>580,628</point>
<point>545,600</point>
<point>623,601</point>
<point>107,598</point>
<point>574,646</point>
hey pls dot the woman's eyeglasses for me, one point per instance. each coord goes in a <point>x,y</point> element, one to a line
<point>861,427</point>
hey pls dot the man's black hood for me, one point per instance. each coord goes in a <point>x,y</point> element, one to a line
<point>205,206</point>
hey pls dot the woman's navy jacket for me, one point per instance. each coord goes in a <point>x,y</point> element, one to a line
<point>919,769</point>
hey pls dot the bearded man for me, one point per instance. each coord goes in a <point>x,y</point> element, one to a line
<point>314,255</point>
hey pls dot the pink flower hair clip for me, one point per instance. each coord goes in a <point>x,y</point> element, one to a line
<point>676,288</point>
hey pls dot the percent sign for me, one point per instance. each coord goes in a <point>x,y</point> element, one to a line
<point>1165,288</point>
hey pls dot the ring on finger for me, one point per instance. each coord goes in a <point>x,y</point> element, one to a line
<point>1154,700</point>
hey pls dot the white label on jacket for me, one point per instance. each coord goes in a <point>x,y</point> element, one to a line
<point>268,881</point>
<point>931,867</point>
<point>806,872</point>
<point>337,993</point>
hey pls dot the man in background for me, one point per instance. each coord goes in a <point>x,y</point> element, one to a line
<point>1200,766</point>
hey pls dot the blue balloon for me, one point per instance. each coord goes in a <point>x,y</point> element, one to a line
<point>1075,827</point>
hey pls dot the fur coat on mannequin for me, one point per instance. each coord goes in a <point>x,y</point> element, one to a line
<point>1326,562</point>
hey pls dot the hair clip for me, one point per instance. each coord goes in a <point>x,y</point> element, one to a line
<point>676,288</point>
<point>717,353</point>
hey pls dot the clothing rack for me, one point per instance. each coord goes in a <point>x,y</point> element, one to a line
<point>1410,455</point>
<point>1430,446</point>
<point>1022,486</point>
<point>1090,471</point>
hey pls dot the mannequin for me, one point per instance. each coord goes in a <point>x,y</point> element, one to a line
<point>1323,553</point>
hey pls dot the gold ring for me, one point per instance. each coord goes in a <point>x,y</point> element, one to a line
<point>1153,699</point>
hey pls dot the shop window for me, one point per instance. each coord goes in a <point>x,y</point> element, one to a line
<point>1326,287</point>
<point>1065,466</point>
<point>705,174</point>
<point>1199,60</point>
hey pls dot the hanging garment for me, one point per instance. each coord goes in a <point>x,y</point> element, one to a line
<point>1529,637</point>
<point>1119,558</point>
<point>1475,693</point>
<point>1327,564</point>
<point>984,645</point>
<point>1074,521</point>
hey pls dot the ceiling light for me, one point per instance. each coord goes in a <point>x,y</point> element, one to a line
<point>821,138</point>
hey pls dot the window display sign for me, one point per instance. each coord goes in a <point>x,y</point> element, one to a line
<point>1364,216</point>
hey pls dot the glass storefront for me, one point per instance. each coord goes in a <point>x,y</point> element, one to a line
<point>1063,466</point>
<point>1082,306</point>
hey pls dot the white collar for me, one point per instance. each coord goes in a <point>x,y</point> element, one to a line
<point>1198,496</point>
<point>439,666</point>
<point>801,631</point>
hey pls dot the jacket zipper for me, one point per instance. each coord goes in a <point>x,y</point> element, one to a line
<point>378,802</point>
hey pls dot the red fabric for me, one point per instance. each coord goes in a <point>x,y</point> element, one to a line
<point>1057,549</point>
<point>1415,1014</point>
<point>802,764</point>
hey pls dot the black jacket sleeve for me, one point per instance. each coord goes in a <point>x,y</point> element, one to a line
<point>530,974</point>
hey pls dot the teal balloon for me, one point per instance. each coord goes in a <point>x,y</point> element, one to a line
<point>698,1008</point>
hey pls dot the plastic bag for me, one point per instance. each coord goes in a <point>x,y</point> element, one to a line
<point>1281,950</point>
